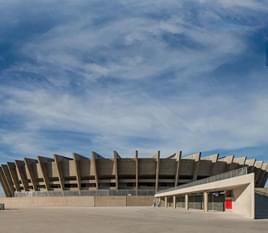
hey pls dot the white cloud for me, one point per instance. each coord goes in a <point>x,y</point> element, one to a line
<point>131,49</point>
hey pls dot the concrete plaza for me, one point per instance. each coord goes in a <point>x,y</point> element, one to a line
<point>122,219</point>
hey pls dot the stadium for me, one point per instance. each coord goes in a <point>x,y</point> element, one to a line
<point>210,182</point>
<point>117,175</point>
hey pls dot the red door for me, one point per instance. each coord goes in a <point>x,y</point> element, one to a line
<point>229,204</point>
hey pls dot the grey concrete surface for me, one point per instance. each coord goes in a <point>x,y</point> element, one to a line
<point>123,220</point>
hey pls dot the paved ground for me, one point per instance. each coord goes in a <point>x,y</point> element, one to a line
<point>123,220</point>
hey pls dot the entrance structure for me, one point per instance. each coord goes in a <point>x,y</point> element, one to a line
<point>233,191</point>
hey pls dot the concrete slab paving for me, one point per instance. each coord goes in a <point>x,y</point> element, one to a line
<point>123,220</point>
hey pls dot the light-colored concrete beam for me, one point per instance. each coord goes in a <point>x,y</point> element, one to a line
<point>14,175</point>
<point>94,157</point>
<point>137,170</point>
<point>178,160</point>
<point>157,159</point>
<point>77,158</point>
<point>28,164</point>
<point>20,167</point>
<point>8,179</point>
<point>59,160</point>
<point>196,157</point>
<point>43,166</point>
<point>116,156</point>
<point>4,184</point>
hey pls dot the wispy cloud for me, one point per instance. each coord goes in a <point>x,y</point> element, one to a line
<point>122,75</point>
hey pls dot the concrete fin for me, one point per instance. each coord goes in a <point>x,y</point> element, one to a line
<point>8,178</point>
<point>20,165</point>
<point>29,166</point>
<point>178,159</point>
<point>4,183</point>
<point>58,159</point>
<point>137,170</point>
<point>43,165</point>
<point>157,157</point>
<point>116,156</point>
<point>14,175</point>
<point>94,157</point>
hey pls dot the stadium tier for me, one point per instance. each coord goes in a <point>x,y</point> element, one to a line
<point>131,176</point>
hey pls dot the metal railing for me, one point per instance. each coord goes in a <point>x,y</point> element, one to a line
<point>222,176</point>
<point>100,192</point>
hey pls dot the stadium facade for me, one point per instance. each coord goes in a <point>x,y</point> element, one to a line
<point>117,175</point>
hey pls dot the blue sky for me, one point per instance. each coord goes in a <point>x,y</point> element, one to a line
<point>77,76</point>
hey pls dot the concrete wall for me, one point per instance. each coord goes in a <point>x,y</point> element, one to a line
<point>139,201</point>
<point>244,201</point>
<point>89,201</point>
<point>110,201</point>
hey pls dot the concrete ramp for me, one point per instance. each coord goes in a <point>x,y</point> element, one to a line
<point>261,196</point>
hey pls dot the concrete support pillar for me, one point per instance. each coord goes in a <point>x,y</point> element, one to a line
<point>94,161</point>
<point>157,171</point>
<point>115,164</point>
<point>205,200</point>
<point>42,161</point>
<point>178,159</point>
<point>174,201</point>
<point>137,171</point>
<point>186,202</point>
<point>58,160</point>
<point>166,202</point>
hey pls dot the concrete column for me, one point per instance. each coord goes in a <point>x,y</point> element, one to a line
<point>157,171</point>
<point>29,167</point>
<point>178,159</point>
<point>197,158</point>
<point>58,160</point>
<point>205,201</point>
<point>137,171</point>
<point>20,167</point>
<point>186,202</point>
<point>93,160</point>
<point>174,201</point>
<point>14,176</point>
<point>4,183</point>
<point>166,201</point>
<point>42,161</point>
<point>8,178</point>
<point>115,164</point>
